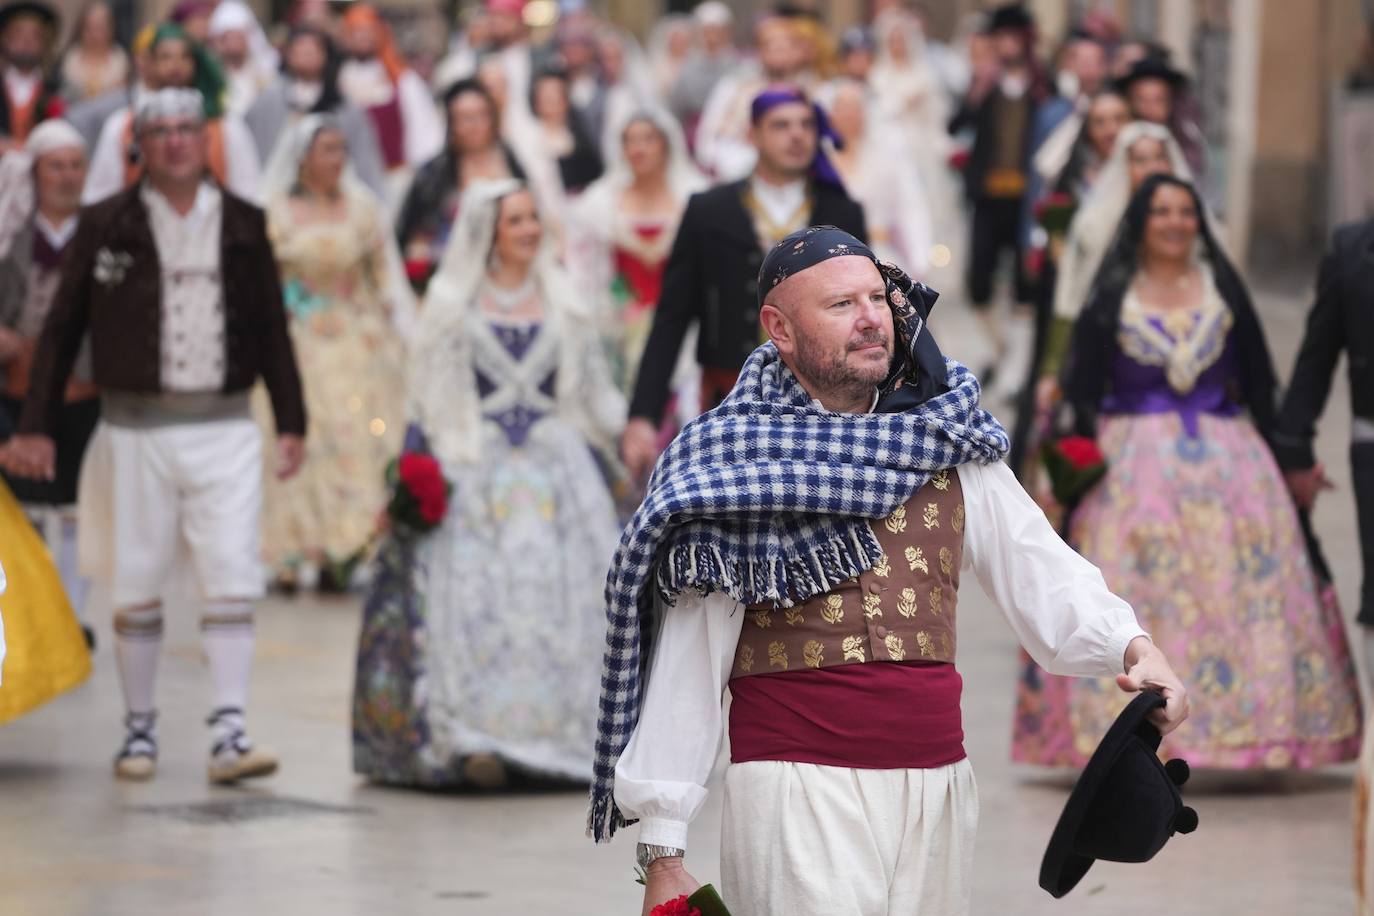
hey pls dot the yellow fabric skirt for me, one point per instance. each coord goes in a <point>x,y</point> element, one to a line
<point>46,650</point>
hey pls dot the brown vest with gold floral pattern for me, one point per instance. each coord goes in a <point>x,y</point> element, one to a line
<point>902,609</point>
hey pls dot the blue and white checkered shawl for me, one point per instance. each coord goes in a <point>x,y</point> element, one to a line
<point>767,498</point>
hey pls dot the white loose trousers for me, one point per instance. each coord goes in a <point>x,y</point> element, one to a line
<point>145,490</point>
<point>811,840</point>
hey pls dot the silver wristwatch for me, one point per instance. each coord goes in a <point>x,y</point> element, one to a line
<point>647,853</point>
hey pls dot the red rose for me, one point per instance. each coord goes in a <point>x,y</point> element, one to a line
<point>415,466</point>
<point>417,270</point>
<point>1080,451</point>
<point>56,108</point>
<point>958,159</point>
<point>432,511</point>
<point>678,907</point>
<point>427,488</point>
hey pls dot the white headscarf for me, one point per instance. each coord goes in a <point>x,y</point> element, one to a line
<point>592,218</point>
<point>887,186</point>
<point>17,197</point>
<point>684,178</point>
<point>897,83</point>
<point>1094,224</point>
<point>664,68</point>
<point>283,174</point>
<point>635,90</point>
<point>171,102</point>
<point>441,387</point>
<point>235,16</point>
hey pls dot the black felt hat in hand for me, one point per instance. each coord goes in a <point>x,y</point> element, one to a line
<point>1124,807</point>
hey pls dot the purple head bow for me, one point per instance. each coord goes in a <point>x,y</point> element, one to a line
<point>822,169</point>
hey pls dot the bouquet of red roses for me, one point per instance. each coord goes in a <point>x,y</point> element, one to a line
<point>1054,212</point>
<point>704,902</point>
<point>1074,465</point>
<point>419,493</point>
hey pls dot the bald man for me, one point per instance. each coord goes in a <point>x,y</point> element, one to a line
<point>802,544</point>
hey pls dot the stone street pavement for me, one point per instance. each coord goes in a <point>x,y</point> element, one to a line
<point>316,840</point>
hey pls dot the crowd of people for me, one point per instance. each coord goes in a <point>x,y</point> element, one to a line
<point>288,307</point>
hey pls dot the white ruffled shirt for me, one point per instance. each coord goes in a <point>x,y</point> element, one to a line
<point>780,202</point>
<point>1057,603</point>
<point>188,251</point>
<point>22,87</point>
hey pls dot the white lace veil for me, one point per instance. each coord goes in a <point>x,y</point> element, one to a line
<point>684,178</point>
<point>916,75</point>
<point>1095,223</point>
<point>16,196</point>
<point>592,221</point>
<point>283,174</point>
<point>440,387</point>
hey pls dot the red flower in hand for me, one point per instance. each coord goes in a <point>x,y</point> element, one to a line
<point>415,467</point>
<point>432,511</point>
<point>678,907</point>
<point>1056,201</point>
<point>1081,451</point>
<point>417,269</point>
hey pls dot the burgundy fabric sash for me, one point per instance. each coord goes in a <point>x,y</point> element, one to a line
<point>386,121</point>
<point>876,716</point>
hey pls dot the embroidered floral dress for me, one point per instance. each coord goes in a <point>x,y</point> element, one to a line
<point>1194,527</point>
<point>486,635</point>
<point>352,362</point>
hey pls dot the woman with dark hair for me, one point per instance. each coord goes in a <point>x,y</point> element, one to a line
<point>474,152</point>
<point>1169,372</point>
<point>1108,112</point>
<point>562,135</point>
<point>178,61</point>
<point>93,63</point>
<point>309,84</point>
<point>1107,115</point>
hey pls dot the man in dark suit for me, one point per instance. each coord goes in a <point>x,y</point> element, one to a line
<point>712,273</point>
<point>28,92</point>
<point>1342,318</point>
<point>1001,107</point>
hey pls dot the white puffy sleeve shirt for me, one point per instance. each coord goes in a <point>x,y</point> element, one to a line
<point>1056,602</point>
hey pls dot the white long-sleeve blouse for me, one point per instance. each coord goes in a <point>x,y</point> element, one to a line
<point>1056,602</point>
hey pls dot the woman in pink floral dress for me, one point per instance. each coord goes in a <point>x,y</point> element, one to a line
<point>1192,524</point>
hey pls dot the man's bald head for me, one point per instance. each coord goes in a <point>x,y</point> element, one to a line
<point>832,325</point>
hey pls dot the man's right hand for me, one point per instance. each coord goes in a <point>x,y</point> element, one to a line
<point>1306,483</point>
<point>639,448</point>
<point>30,456</point>
<point>666,880</point>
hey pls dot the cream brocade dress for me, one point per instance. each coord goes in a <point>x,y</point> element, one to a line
<point>352,365</point>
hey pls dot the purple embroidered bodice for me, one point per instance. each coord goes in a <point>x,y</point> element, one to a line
<point>1138,388</point>
<point>515,420</point>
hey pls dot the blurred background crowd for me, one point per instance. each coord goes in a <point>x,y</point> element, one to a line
<point>522,236</point>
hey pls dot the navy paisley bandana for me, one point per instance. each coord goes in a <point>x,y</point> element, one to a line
<point>918,371</point>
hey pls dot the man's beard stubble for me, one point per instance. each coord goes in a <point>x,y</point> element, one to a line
<point>833,374</point>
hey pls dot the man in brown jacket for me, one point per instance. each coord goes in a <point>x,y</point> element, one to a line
<point>175,281</point>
